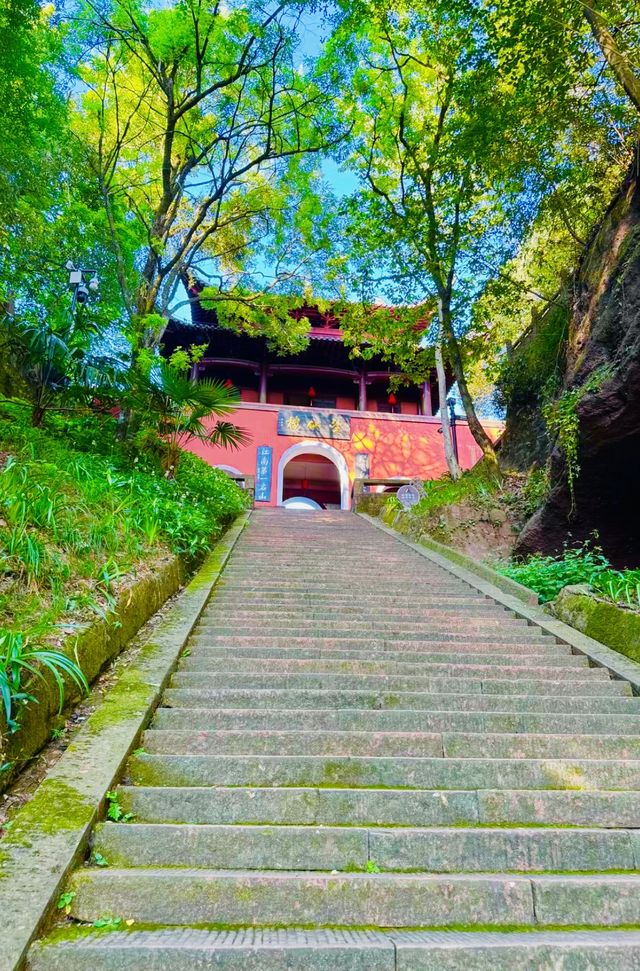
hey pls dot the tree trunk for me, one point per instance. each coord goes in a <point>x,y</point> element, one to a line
<point>449,453</point>
<point>37,415</point>
<point>473,421</point>
<point>624,73</point>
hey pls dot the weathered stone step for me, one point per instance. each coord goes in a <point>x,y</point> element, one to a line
<point>542,668</point>
<point>417,744</point>
<point>524,635</point>
<point>175,896</point>
<point>345,720</point>
<point>269,698</point>
<point>417,773</point>
<point>258,949</point>
<point>338,586</point>
<point>381,807</point>
<point>488,681</point>
<point>540,746</point>
<point>436,652</point>
<point>380,743</point>
<point>347,602</point>
<point>235,611</point>
<point>431,850</point>
<point>245,847</point>
<point>447,621</point>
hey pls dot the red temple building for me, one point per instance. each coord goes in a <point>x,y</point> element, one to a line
<point>318,419</point>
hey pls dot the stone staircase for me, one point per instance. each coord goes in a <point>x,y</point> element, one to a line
<point>362,764</point>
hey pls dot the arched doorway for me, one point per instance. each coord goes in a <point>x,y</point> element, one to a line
<point>314,471</point>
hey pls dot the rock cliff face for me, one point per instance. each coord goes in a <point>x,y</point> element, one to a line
<point>603,336</point>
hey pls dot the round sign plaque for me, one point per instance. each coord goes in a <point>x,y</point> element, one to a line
<point>408,496</point>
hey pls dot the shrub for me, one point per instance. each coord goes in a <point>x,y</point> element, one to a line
<point>547,575</point>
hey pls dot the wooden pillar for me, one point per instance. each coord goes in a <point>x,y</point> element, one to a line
<point>263,383</point>
<point>427,403</point>
<point>362,391</point>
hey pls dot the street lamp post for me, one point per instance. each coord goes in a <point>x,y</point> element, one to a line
<point>452,424</point>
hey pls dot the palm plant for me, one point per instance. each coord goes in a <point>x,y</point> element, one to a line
<point>52,357</point>
<point>179,409</point>
<point>17,659</point>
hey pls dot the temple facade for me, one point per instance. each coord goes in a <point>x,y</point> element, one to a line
<point>318,419</point>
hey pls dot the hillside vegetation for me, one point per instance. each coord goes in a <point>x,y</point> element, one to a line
<point>79,518</point>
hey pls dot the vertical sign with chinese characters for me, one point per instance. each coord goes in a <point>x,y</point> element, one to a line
<point>264,463</point>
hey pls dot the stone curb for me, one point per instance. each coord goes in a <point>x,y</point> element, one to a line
<point>618,665</point>
<point>49,835</point>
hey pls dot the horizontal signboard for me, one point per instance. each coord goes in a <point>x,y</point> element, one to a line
<point>313,424</point>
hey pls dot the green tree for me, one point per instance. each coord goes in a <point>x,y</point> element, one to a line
<point>431,117</point>
<point>196,117</point>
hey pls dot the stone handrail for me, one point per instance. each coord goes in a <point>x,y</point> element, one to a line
<point>362,486</point>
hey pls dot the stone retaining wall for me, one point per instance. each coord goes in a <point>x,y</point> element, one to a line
<point>609,623</point>
<point>93,646</point>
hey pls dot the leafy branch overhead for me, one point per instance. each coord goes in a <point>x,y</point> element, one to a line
<point>193,114</point>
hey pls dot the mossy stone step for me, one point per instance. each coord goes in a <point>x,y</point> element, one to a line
<point>415,773</point>
<point>388,720</point>
<point>181,896</point>
<point>588,681</point>
<point>448,664</point>
<point>256,949</point>
<point>380,743</point>
<point>432,850</point>
<point>434,652</point>
<point>464,700</point>
<point>382,807</point>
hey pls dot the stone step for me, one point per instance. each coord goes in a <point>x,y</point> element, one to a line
<point>258,949</point>
<point>488,681</point>
<point>525,635</point>
<point>350,848</point>
<point>418,613</point>
<point>371,744</point>
<point>416,773</point>
<point>466,605</point>
<point>381,807</point>
<point>434,652</point>
<point>379,743</point>
<point>175,896</point>
<point>346,586</point>
<point>452,622</point>
<point>349,604</point>
<point>571,667</point>
<point>344,720</point>
<point>269,698</point>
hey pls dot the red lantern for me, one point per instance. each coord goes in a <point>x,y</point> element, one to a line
<point>228,383</point>
<point>392,399</point>
<point>305,483</point>
<point>311,392</point>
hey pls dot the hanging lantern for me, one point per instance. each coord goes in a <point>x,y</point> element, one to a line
<point>228,383</point>
<point>311,392</point>
<point>305,483</point>
<point>392,399</point>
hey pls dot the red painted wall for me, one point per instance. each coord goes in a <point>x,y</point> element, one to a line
<point>397,445</point>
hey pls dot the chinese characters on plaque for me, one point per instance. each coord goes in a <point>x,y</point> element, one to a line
<point>263,473</point>
<point>313,424</point>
